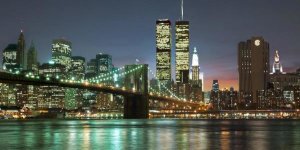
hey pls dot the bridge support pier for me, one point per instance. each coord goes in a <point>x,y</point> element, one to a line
<point>136,107</point>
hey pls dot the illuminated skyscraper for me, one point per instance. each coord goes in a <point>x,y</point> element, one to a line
<point>103,63</point>
<point>21,51</point>
<point>61,52</point>
<point>77,68</point>
<point>182,59</point>
<point>195,66</point>
<point>32,63</point>
<point>182,51</point>
<point>196,82</point>
<point>277,67</point>
<point>253,67</point>
<point>10,58</point>
<point>74,97</point>
<point>51,96</point>
<point>163,50</point>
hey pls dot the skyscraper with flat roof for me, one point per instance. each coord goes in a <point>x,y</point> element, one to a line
<point>163,50</point>
<point>78,68</point>
<point>61,52</point>
<point>182,51</point>
<point>103,63</point>
<point>253,67</point>
<point>215,86</point>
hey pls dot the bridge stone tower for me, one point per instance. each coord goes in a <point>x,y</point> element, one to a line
<point>136,106</point>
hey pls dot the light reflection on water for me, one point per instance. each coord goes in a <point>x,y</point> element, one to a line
<point>150,134</point>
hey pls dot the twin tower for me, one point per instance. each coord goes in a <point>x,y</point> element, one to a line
<point>163,51</point>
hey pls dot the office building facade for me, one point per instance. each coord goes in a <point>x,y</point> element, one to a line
<point>182,51</point>
<point>61,52</point>
<point>253,68</point>
<point>163,51</point>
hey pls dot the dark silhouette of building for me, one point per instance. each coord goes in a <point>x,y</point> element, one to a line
<point>215,95</point>
<point>253,67</point>
<point>91,69</point>
<point>215,86</point>
<point>32,63</point>
<point>21,51</point>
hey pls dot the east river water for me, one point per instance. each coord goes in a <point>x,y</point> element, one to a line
<point>153,134</point>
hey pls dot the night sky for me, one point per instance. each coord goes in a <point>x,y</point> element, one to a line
<point>126,29</point>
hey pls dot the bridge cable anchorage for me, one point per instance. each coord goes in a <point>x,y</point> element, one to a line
<point>168,90</point>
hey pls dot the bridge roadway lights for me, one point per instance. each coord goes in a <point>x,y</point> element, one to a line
<point>136,107</point>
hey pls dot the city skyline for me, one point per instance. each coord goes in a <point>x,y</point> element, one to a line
<point>209,38</point>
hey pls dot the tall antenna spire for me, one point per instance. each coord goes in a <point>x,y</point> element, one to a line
<point>181,9</point>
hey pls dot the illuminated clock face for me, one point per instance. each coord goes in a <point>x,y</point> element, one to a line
<point>257,42</point>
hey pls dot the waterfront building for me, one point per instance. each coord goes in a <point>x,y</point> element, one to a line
<point>163,51</point>
<point>225,99</point>
<point>52,96</point>
<point>4,94</point>
<point>71,98</point>
<point>8,95</point>
<point>32,99</point>
<point>61,52</point>
<point>106,102</point>
<point>228,99</point>
<point>74,97</point>
<point>89,99</point>
<point>253,68</point>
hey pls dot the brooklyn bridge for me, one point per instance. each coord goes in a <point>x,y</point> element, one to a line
<point>136,92</point>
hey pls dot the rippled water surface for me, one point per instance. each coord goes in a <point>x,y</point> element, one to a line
<point>150,134</point>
